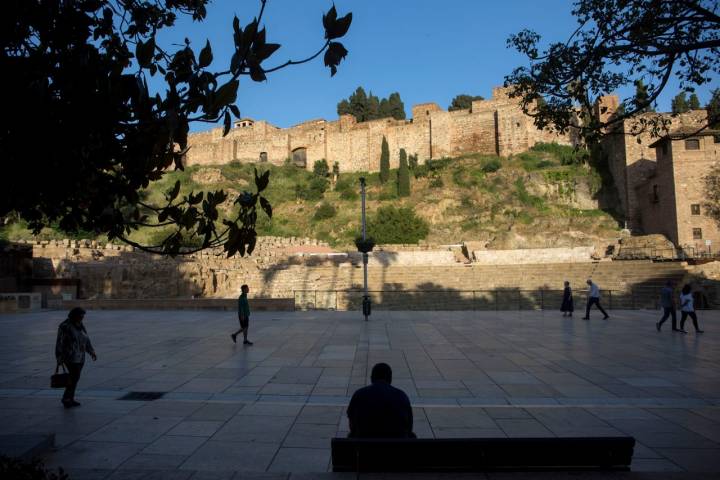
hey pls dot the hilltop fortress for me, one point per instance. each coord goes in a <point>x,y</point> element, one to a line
<point>496,126</point>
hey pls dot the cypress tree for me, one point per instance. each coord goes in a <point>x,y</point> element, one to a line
<point>693,102</point>
<point>384,161</point>
<point>641,97</point>
<point>403,175</point>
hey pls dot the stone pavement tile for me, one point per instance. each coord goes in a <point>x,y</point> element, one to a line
<point>485,389</point>
<point>442,392</point>
<point>286,389</point>
<point>523,427</point>
<point>252,381</point>
<point>301,460</point>
<point>320,414</point>
<point>506,412</point>
<point>464,417</point>
<point>249,428</point>
<point>272,409</point>
<point>695,423</point>
<point>96,455</point>
<point>196,428</point>
<point>241,475</point>
<point>515,390</point>
<point>468,432</point>
<point>694,459</point>
<point>174,445</point>
<point>310,435</point>
<point>167,408</point>
<point>654,465</point>
<point>87,473</point>
<point>216,411</point>
<point>206,385</point>
<point>134,429</point>
<point>513,378</point>
<point>212,475</point>
<point>146,461</point>
<point>301,375</point>
<point>230,455</point>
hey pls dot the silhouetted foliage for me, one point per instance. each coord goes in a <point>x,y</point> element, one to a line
<point>366,107</point>
<point>463,102</point>
<point>76,76</point>
<point>390,224</point>
<point>16,469</point>
<point>403,185</point>
<point>384,161</point>
<point>616,43</point>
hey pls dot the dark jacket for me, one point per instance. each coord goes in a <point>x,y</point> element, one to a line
<point>380,411</point>
<point>72,343</point>
<point>567,301</point>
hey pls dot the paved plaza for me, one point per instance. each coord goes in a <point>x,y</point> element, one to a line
<point>231,411</point>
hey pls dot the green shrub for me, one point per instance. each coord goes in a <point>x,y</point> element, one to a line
<point>490,166</point>
<point>321,168</point>
<point>391,224</point>
<point>565,154</point>
<point>324,211</point>
<point>313,190</point>
<point>413,161</point>
<point>436,182</point>
<point>349,194</point>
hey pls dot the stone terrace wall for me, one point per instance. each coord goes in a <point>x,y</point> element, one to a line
<point>534,255</point>
<point>495,126</point>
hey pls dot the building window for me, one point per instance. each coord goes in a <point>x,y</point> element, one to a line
<point>695,209</point>
<point>697,233</point>
<point>263,157</point>
<point>692,144</point>
<point>655,197</point>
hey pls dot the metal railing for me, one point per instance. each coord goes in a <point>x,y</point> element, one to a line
<point>497,299</point>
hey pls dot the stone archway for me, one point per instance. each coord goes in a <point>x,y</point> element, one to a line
<point>299,157</point>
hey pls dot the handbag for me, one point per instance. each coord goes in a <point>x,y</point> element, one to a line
<point>59,380</point>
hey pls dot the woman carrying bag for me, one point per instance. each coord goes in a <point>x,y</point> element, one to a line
<point>70,347</point>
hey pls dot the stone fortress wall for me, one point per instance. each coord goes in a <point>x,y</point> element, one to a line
<point>496,126</point>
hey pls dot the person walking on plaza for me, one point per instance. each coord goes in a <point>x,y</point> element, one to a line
<point>243,316</point>
<point>687,308</point>
<point>70,347</point>
<point>567,301</point>
<point>594,299</point>
<point>667,302</point>
<point>380,410</point>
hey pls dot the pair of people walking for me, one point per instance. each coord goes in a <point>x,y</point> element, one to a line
<point>687,308</point>
<point>567,307</point>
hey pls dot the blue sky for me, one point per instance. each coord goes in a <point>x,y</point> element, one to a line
<point>428,51</point>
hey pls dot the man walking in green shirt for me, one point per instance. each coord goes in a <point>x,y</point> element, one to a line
<point>243,316</point>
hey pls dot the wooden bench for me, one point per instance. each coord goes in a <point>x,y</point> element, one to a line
<point>480,454</point>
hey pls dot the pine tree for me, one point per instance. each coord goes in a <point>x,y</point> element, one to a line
<point>641,97</point>
<point>693,102</point>
<point>679,103</point>
<point>373,107</point>
<point>403,175</point>
<point>463,102</point>
<point>384,161</point>
<point>359,104</point>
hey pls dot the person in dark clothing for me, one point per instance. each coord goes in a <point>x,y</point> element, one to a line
<point>380,410</point>
<point>243,316</point>
<point>70,347</point>
<point>667,302</point>
<point>594,299</point>
<point>567,306</point>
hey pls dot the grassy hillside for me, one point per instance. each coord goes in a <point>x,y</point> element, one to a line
<point>542,197</point>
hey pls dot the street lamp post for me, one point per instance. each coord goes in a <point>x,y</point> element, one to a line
<point>364,245</point>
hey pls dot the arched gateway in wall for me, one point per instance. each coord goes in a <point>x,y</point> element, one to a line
<point>299,157</point>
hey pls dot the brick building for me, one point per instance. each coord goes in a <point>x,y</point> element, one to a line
<point>670,200</point>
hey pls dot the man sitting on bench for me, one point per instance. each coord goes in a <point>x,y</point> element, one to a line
<point>380,410</point>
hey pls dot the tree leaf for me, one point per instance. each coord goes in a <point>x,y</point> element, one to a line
<point>173,193</point>
<point>206,56</point>
<point>257,73</point>
<point>144,52</point>
<point>235,110</point>
<point>261,182</point>
<point>335,53</point>
<point>267,208</point>
<point>338,27</point>
<point>227,122</point>
<point>226,94</point>
<point>263,52</point>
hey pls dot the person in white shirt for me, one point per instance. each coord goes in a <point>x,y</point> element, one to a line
<point>687,308</point>
<point>594,299</point>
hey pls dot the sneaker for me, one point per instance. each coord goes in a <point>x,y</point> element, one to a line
<point>232,335</point>
<point>682,331</point>
<point>700,331</point>
<point>246,342</point>
<point>74,404</point>
<point>606,317</point>
<point>657,326</point>
<point>67,403</point>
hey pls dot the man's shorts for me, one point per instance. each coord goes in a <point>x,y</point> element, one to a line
<point>244,321</point>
